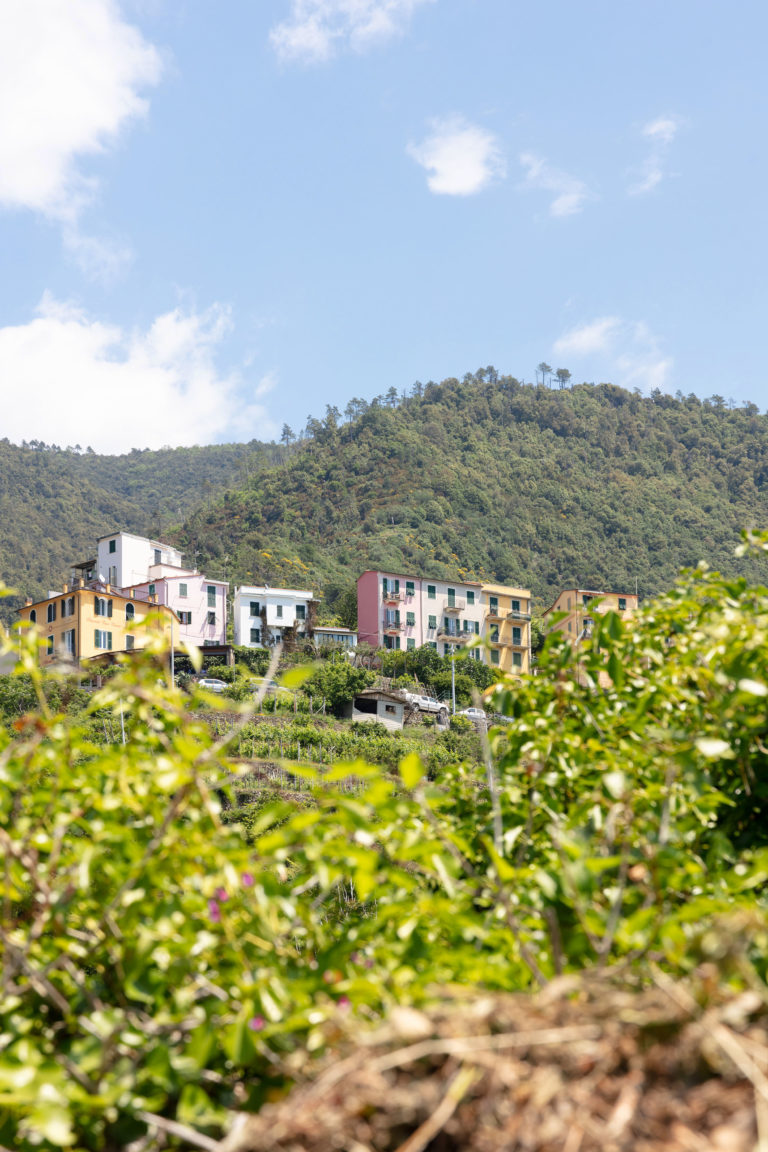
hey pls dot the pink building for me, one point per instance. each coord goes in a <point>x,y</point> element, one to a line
<point>200,603</point>
<point>389,611</point>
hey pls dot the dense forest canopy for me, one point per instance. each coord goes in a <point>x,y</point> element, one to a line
<point>482,478</point>
<point>491,479</point>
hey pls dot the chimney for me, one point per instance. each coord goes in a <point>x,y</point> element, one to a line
<point>133,593</point>
<point>28,601</point>
<point>107,588</point>
<point>66,589</point>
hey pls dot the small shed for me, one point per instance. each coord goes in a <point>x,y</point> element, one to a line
<point>377,704</point>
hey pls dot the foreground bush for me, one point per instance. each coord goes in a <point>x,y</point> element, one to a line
<point>158,971</point>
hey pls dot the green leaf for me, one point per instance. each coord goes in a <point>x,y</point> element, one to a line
<point>411,770</point>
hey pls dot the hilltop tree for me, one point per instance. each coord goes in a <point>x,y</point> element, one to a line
<point>545,370</point>
<point>563,377</point>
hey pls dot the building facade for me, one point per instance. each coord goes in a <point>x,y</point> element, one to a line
<point>406,612</point>
<point>580,605</point>
<point>508,627</point>
<point>147,569</point>
<point>81,624</point>
<point>265,616</point>
<point>124,559</point>
<point>325,634</point>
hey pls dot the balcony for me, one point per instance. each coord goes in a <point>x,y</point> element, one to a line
<point>454,635</point>
<point>495,613</point>
<point>391,597</point>
<point>454,606</point>
<point>391,628</point>
<point>518,615</point>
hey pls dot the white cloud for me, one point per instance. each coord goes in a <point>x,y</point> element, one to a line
<point>100,259</point>
<point>459,157</point>
<point>570,194</point>
<point>316,29</point>
<point>70,379</point>
<point>626,352</point>
<point>589,338</point>
<point>660,133</point>
<point>71,74</point>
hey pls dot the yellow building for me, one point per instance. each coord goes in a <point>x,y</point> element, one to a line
<point>580,609</point>
<point>507,626</point>
<point>87,623</point>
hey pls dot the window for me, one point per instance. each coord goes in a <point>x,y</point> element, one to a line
<point>410,618</point>
<point>211,618</point>
<point>451,597</point>
<point>585,599</point>
<point>390,708</point>
<point>494,655</point>
<point>432,622</point>
<point>102,607</point>
<point>477,627</point>
<point>112,574</point>
<point>68,607</point>
<point>113,546</point>
<point>130,611</point>
<point>158,556</point>
<point>392,642</point>
<point>515,605</point>
<point>470,597</point>
<point>49,650</point>
<point>51,612</point>
<point>494,605</point>
<point>431,592</point>
<point>517,636</point>
<point>129,643</point>
<point>68,640</point>
<point>301,612</point>
<point>33,617</point>
<point>211,596</point>
<point>495,634</point>
<point>183,590</point>
<point>279,611</point>
<point>622,603</point>
<point>102,639</point>
<point>255,635</point>
<point>255,608</point>
<point>185,617</point>
<point>151,589</point>
<point>475,654</point>
<point>446,649</point>
<point>410,588</point>
<point>568,603</point>
<point>431,644</point>
<point>517,659</point>
<point>410,643</point>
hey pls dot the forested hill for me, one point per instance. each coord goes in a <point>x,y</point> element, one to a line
<point>489,478</point>
<point>54,502</point>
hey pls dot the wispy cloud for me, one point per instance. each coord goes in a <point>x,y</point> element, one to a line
<point>317,29</point>
<point>660,134</point>
<point>625,351</point>
<point>460,159</point>
<point>88,382</point>
<point>588,338</point>
<point>570,195</point>
<point>71,78</point>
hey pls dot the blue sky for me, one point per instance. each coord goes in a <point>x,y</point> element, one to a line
<point>219,218</point>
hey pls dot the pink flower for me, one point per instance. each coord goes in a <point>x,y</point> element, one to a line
<point>221,894</point>
<point>256,1023</point>
<point>214,911</point>
<point>247,879</point>
<point>343,1002</point>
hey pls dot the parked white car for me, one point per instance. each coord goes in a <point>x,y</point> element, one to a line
<point>211,684</point>
<point>475,714</point>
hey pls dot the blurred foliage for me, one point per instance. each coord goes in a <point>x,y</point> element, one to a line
<point>160,964</point>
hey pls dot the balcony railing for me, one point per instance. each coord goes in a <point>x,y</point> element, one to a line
<point>454,634</point>
<point>391,597</point>
<point>513,615</point>
<point>390,626</point>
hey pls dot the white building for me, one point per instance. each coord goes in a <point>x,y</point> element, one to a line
<point>124,559</point>
<point>150,570</point>
<point>265,616</point>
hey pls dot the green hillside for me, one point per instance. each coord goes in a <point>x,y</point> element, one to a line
<point>54,503</point>
<point>484,478</point>
<point>489,478</point>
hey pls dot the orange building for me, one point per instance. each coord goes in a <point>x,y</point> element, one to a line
<point>580,606</point>
<point>84,623</point>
